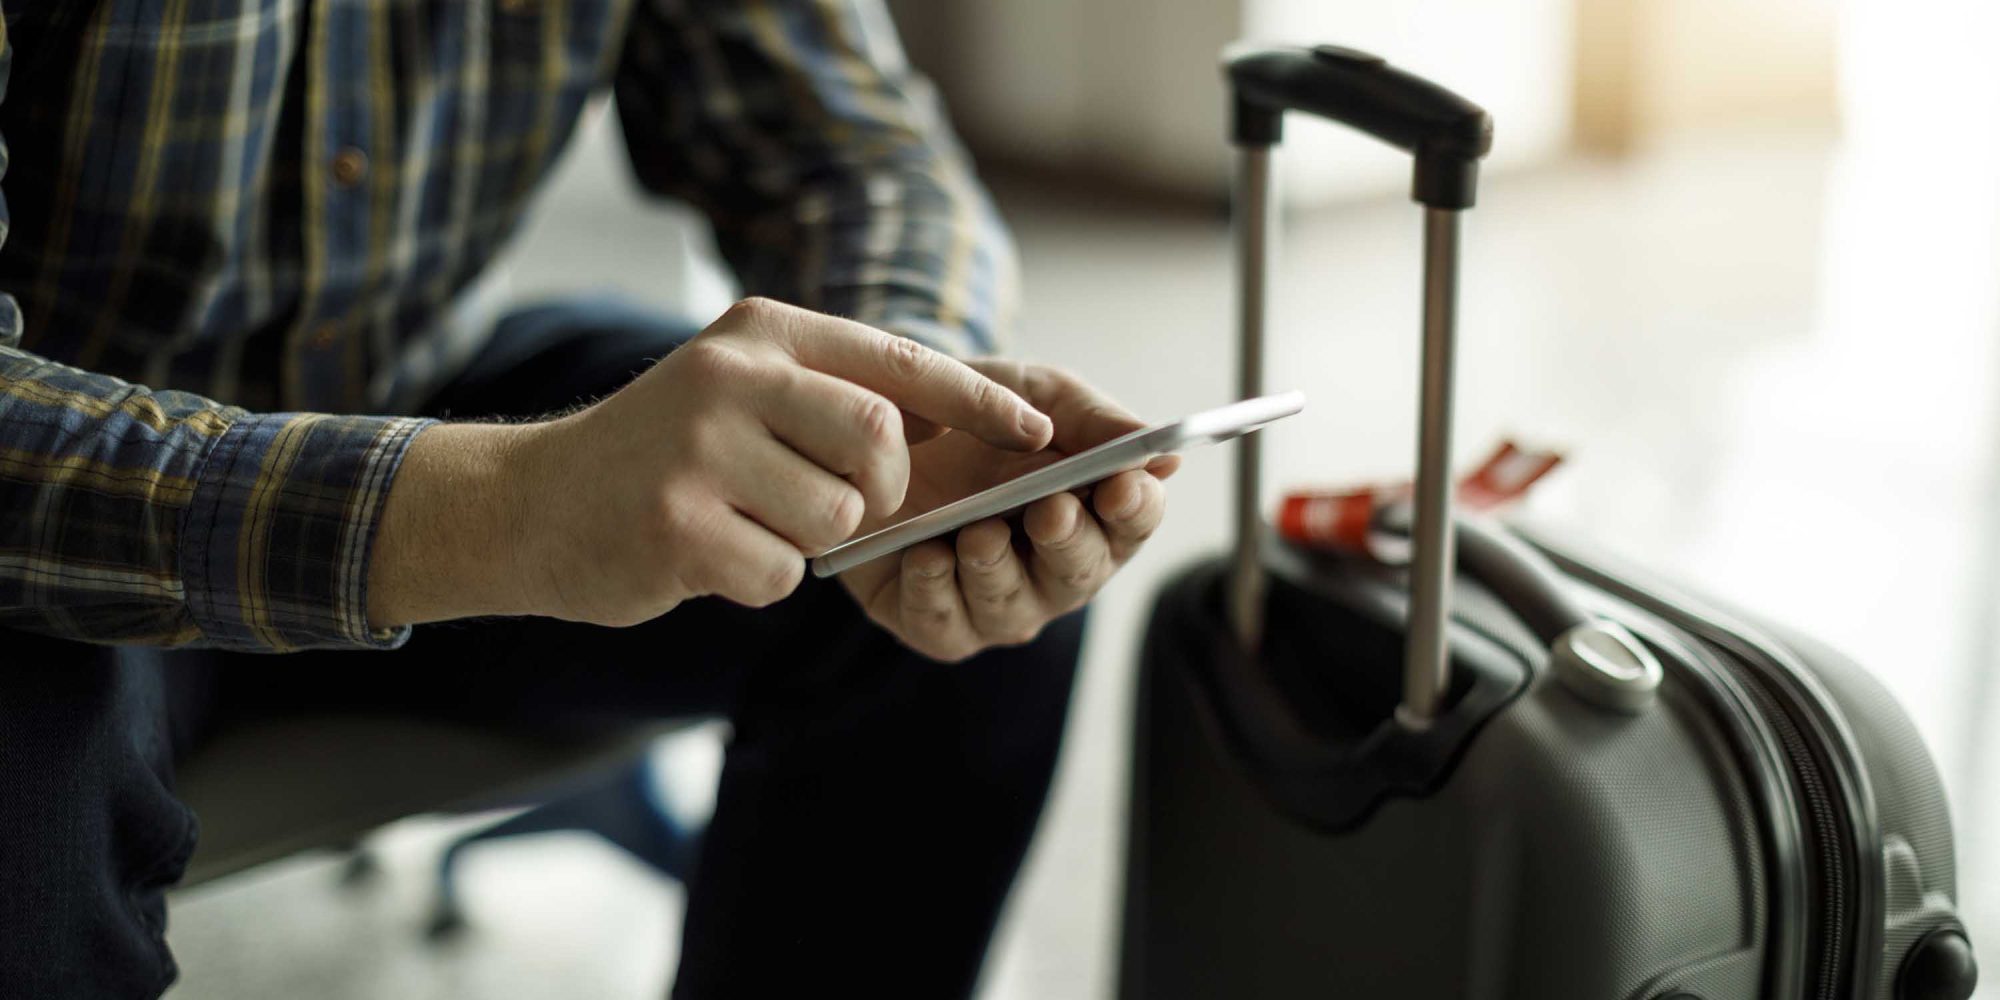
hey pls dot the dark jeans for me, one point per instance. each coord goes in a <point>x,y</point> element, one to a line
<point>873,810</point>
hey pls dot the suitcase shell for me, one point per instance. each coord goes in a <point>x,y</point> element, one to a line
<point>1512,769</point>
<point>1570,851</point>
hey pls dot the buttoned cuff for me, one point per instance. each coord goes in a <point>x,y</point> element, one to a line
<point>276,544</point>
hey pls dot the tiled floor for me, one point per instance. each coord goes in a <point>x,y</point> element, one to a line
<point>1772,358</point>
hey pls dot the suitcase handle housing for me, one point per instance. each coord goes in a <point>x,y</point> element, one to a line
<point>1447,133</point>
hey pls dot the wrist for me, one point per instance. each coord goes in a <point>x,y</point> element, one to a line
<point>526,487</point>
<point>451,540</point>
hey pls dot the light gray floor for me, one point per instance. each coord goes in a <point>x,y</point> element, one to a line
<point>1776,375</point>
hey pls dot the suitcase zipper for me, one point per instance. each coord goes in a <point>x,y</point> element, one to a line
<point>1844,967</point>
<point>1768,778</point>
<point>1835,905</point>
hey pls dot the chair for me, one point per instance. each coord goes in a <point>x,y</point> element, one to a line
<point>270,790</point>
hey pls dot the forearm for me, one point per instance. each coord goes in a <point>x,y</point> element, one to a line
<point>456,528</point>
<point>948,279</point>
<point>834,182</point>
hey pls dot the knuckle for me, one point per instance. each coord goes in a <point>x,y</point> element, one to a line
<point>680,523</point>
<point>976,552</point>
<point>1021,636</point>
<point>1062,541</point>
<point>845,517</point>
<point>993,600</point>
<point>785,578</point>
<point>666,592</point>
<point>986,394</point>
<point>1098,412</point>
<point>931,620</point>
<point>879,421</point>
<point>906,359</point>
<point>711,358</point>
<point>777,380</point>
<point>776,583</point>
<point>1035,382</point>
<point>706,439</point>
<point>1058,379</point>
<point>753,310</point>
<point>884,479</point>
<point>1080,577</point>
<point>685,531</point>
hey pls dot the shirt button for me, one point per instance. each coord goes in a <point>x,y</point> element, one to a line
<point>325,336</point>
<point>349,166</point>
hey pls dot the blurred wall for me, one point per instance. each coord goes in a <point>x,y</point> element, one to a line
<point>1130,89</point>
<point>1126,88</point>
<point>1653,69</point>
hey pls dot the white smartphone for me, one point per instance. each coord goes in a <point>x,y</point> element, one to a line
<point>1120,454</point>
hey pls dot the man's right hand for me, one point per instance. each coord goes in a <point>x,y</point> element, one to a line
<point>768,438</point>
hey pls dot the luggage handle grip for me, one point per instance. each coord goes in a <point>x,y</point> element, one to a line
<point>1448,135</point>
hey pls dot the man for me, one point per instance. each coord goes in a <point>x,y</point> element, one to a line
<point>275,215</point>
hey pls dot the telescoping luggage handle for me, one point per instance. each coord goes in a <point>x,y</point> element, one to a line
<point>1447,135</point>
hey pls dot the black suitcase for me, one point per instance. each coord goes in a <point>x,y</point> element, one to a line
<point>1540,777</point>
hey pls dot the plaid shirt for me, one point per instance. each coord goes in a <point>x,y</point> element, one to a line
<point>265,212</point>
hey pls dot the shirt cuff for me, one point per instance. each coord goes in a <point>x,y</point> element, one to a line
<point>276,543</point>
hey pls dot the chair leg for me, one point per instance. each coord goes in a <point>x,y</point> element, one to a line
<point>574,811</point>
<point>629,818</point>
<point>618,806</point>
<point>362,867</point>
<point>447,918</point>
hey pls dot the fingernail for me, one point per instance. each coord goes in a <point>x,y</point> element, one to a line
<point>930,572</point>
<point>1034,425</point>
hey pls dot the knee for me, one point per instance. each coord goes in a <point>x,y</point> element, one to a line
<point>1027,688</point>
<point>91,835</point>
<point>1017,697</point>
<point>1054,651</point>
<point>1061,641</point>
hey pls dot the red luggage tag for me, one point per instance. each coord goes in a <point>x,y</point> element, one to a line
<point>1345,520</point>
<point>1505,476</point>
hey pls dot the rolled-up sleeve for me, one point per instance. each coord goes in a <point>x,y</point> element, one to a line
<point>162,518</point>
<point>823,159</point>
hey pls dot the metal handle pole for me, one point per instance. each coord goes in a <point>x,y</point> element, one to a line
<point>1426,667</point>
<point>1254,209</point>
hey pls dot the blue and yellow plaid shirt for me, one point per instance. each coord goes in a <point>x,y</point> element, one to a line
<point>232,226</point>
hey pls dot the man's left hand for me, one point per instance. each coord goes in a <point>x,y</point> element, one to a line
<point>996,583</point>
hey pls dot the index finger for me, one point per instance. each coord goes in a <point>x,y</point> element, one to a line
<point>1084,417</point>
<point>928,383</point>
